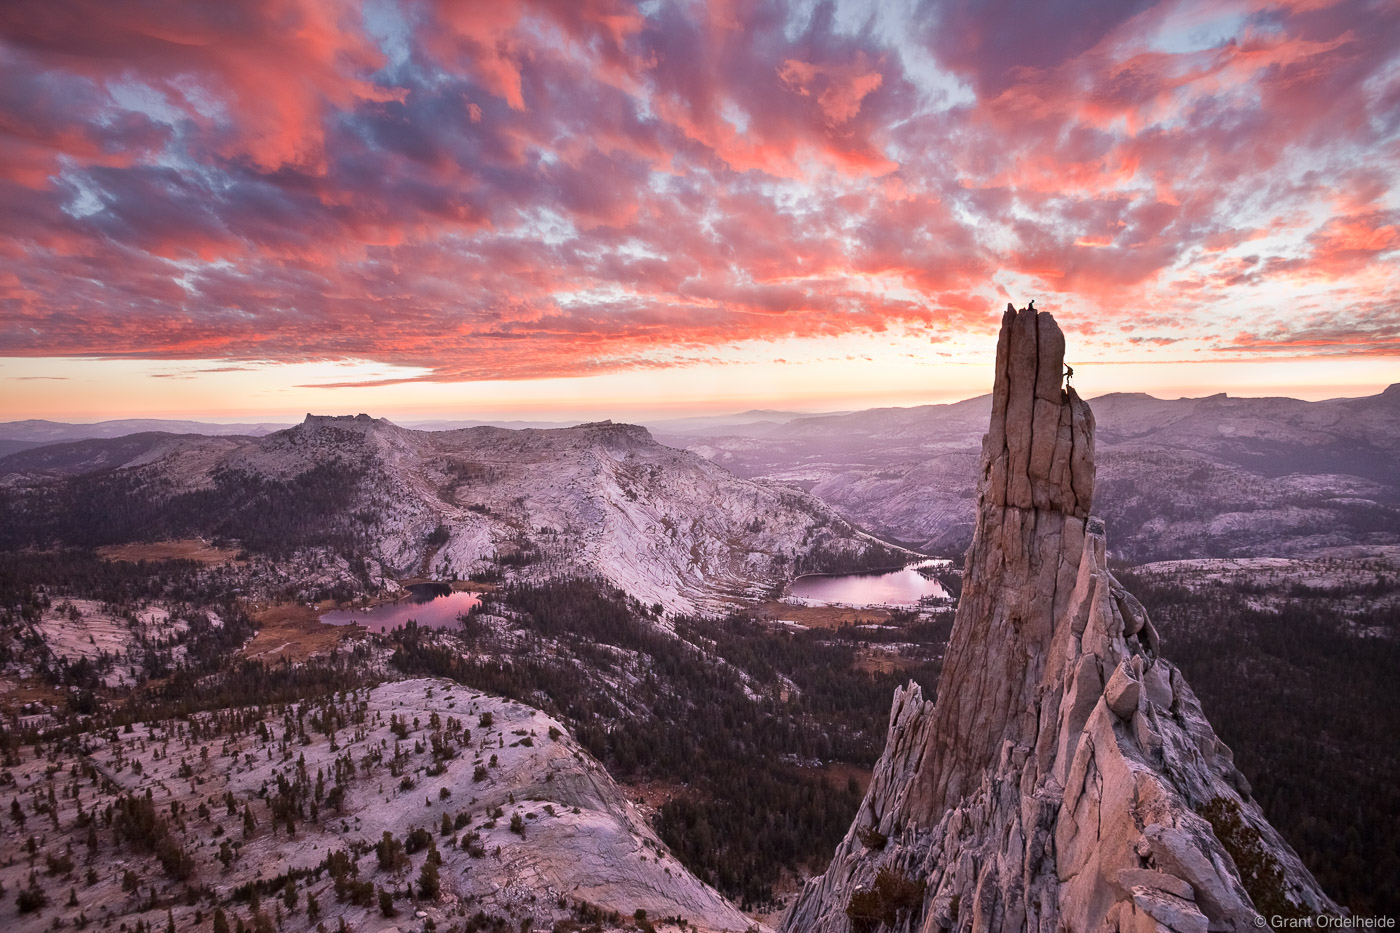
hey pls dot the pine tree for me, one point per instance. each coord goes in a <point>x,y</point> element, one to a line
<point>429,884</point>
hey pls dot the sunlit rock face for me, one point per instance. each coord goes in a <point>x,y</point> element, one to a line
<point>1066,778</point>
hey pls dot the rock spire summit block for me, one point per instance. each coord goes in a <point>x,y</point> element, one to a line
<point>1039,451</point>
<point>1066,778</point>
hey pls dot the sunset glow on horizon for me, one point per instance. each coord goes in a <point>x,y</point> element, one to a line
<point>555,210</point>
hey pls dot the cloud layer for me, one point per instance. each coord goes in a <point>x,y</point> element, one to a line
<point>497,190</point>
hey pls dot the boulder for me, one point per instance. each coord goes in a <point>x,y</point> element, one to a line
<point>1122,691</point>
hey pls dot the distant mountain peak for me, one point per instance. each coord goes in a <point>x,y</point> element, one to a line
<point>361,419</point>
<point>611,428</point>
<point>362,425</point>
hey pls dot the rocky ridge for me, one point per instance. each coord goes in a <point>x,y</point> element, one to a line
<point>1066,778</point>
<point>539,825</point>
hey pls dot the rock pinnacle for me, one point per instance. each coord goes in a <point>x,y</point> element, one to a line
<point>1066,778</point>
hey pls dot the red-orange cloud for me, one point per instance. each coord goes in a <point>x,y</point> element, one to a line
<point>530,189</point>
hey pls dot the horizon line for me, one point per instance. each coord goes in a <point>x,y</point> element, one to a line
<point>410,420</point>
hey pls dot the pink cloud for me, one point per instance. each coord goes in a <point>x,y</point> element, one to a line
<point>519,190</point>
<point>841,88</point>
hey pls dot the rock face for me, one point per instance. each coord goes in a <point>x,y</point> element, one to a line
<point>1060,780</point>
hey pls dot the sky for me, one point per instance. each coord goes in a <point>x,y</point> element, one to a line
<point>559,208</point>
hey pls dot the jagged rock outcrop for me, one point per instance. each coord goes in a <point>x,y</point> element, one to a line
<point>1066,779</point>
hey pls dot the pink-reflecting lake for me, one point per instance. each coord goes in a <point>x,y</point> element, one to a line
<point>425,607</point>
<point>899,588</point>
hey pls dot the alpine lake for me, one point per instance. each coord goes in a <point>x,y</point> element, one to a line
<point>431,605</point>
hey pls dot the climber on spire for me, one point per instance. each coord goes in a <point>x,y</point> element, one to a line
<point>1069,373</point>
<point>1031,306</point>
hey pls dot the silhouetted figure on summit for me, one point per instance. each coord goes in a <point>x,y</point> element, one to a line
<point>1031,306</point>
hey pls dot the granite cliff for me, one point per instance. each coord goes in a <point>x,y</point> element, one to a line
<point>1066,777</point>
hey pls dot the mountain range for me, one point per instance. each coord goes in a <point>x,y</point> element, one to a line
<point>1204,477</point>
<point>1178,478</point>
<point>604,499</point>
